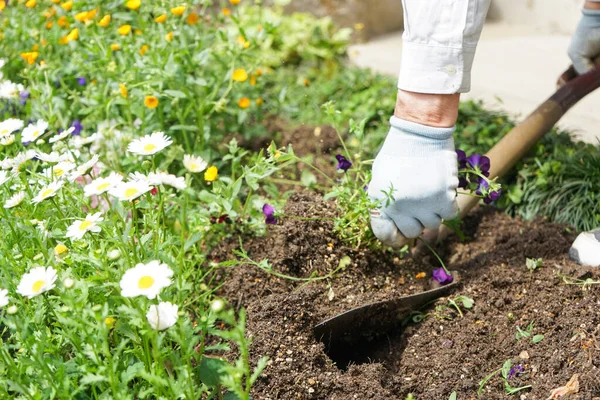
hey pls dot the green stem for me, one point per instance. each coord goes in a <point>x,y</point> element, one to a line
<point>435,254</point>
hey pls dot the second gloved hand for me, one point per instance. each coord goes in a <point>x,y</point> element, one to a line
<point>585,44</point>
<point>415,176</point>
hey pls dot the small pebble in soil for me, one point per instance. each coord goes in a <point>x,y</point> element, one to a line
<point>524,355</point>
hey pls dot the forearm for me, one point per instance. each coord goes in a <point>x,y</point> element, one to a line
<point>437,110</point>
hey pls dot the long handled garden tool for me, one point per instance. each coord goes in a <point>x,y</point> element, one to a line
<point>342,331</point>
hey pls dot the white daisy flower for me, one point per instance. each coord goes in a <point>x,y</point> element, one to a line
<point>4,177</point>
<point>37,281</point>
<point>162,316</point>
<point>162,178</point>
<point>149,144</point>
<point>47,192</point>
<point>59,170</point>
<point>62,135</point>
<point>9,126</point>
<point>7,140</point>
<point>79,141</point>
<point>89,224</point>
<point>193,163</point>
<point>84,168</point>
<point>20,159</point>
<point>54,157</point>
<point>4,298</point>
<point>146,280</point>
<point>15,200</point>
<point>10,90</point>
<point>130,190</point>
<point>102,185</point>
<point>33,131</point>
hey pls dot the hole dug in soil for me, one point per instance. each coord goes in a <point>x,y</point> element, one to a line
<point>443,353</point>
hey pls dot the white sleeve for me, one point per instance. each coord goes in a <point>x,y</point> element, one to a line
<point>438,45</point>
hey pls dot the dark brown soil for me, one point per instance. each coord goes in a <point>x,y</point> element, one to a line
<point>445,352</point>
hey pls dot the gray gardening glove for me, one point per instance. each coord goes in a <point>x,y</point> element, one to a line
<point>418,165</point>
<point>585,44</point>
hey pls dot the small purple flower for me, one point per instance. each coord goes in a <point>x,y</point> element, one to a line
<point>81,81</point>
<point>482,190</point>
<point>517,369</point>
<point>440,275</point>
<point>462,159</point>
<point>463,182</point>
<point>23,96</point>
<point>480,162</point>
<point>269,212</point>
<point>343,163</point>
<point>78,127</point>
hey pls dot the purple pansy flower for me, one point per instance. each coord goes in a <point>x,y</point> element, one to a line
<point>23,96</point>
<point>463,182</point>
<point>489,196</point>
<point>81,81</point>
<point>517,369</point>
<point>343,163</point>
<point>269,212</point>
<point>440,275</point>
<point>462,159</point>
<point>480,162</point>
<point>78,127</point>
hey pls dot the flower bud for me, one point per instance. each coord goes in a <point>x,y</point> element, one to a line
<point>68,283</point>
<point>114,254</point>
<point>12,310</point>
<point>147,165</point>
<point>217,305</point>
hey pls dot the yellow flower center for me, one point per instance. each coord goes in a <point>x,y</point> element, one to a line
<point>37,286</point>
<point>145,282</point>
<point>194,166</point>
<point>84,225</point>
<point>47,192</point>
<point>102,186</point>
<point>149,147</point>
<point>108,321</point>
<point>36,134</point>
<point>3,131</point>
<point>131,192</point>
<point>60,249</point>
<point>58,171</point>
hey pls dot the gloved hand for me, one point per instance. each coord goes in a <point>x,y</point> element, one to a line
<point>585,44</point>
<point>420,164</point>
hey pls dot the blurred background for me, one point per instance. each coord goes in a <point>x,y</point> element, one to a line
<point>521,53</point>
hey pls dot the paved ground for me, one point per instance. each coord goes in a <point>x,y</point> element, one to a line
<point>515,70</point>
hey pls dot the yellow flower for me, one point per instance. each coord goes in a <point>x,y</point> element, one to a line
<point>133,4</point>
<point>82,16</point>
<point>67,5</point>
<point>151,102</point>
<point>115,46</point>
<point>239,75</point>
<point>235,2</point>
<point>63,22</point>
<point>259,102</point>
<point>2,5</point>
<point>192,19</point>
<point>104,21</point>
<point>259,71</point>
<point>49,24</point>
<point>42,63</point>
<point>244,102</point>
<point>242,41</point>
<point>56,1</point>
<point>123,90</point>
<point>178,10</point>
<point>144,49</point>
<point>169,36</point>
<point>35,47</point>
<point>161,18</point>
<point>226,11</point>
<point>137,32</point>
<point>124,30</point>
<point>73,35</point>
<point>211,174</point>
<point>44,42</point>
<point>110,322</point>
<point>60,249</point>
<point>253,79</point>
<point>49,13</point>
<point>30,57</point>
<point>30,3</point>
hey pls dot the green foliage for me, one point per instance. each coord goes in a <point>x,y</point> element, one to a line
<point>532,264</point>
<point>528,333</point>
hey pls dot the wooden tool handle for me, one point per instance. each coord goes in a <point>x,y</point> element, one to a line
<point>515,145</point>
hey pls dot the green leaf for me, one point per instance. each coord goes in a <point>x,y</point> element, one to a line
<point>537,338</point>
<point>308,178</point>
<point>452,396</point>
<point>210,370</point>
<point>175,93</point>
